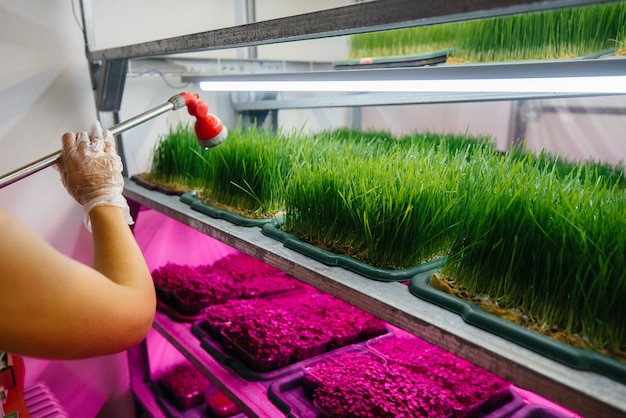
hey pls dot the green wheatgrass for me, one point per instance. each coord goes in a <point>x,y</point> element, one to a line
<point>536,232</point>
<point>248,171</point>
<point>586,169</point>
<point>404,41</point>
<point>550,245</point>
<point>390,204</point>
<point>562,33</point>
<point>176,158</point>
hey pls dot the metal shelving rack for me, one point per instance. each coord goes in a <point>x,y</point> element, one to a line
<point>584,392</point>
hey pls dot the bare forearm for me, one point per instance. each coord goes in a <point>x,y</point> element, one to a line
<point>118,257</point>
<point>60,308</point>
<point>116,253</point>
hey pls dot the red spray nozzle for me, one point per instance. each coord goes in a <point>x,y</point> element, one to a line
<point>209,129</point>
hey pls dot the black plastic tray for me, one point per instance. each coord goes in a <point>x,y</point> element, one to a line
<point>196,204</point>
<point>171,410</point>
<point>539,411</point>
<point>386,275</point>
<point>574,357</point>
<point>174,314</point>
<point>165,303</point>
<point>415,60</point>
<point>156,187</point>
<point>215,349</point>
<point>293,399</point>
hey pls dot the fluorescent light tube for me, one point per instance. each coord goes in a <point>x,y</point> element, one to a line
<point>600,85</point>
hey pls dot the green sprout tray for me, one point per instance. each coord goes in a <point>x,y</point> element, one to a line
<point>290,241</point>
<point>291,397</point>
<point>416,60</point>
<point>147,184</point>
<point>574,357</point>
<point>190,199</point>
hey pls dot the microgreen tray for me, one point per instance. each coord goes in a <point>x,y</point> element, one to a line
<point>294,396</point>
<point>187,401</point>
<point>574,357</point>
<point>220,405</point>
<point>201,411</point>
<point>294,400</point>
<point>273,230</point>
<point>196,204</point>
<point>215,349</point>
<point>171,410</point>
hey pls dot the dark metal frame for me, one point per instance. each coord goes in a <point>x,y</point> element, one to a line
<point>107,65</point>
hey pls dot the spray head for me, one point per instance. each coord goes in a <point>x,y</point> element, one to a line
<point>209,129</point>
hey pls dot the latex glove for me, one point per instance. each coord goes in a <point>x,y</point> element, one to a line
<point>91,171</point>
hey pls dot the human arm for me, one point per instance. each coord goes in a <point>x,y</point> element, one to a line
<point>52,306</point>
<point>55,307</point>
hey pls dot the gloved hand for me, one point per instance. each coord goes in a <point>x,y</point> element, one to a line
<point>91,171</point>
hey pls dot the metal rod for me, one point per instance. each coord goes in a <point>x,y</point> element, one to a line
<point>174,103</point>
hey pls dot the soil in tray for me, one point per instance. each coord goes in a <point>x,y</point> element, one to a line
<point>448,285</point>
<point>207,200</point>
<point>348,250</point>
<point>146,180</point>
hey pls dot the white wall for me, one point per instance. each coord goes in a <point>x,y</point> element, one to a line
<point>45,92</point>
<point>592,128</point>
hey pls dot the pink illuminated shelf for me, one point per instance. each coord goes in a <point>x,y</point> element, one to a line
<point>145,396</point>
<point>250,397</point>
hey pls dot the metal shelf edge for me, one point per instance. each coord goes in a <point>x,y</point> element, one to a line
<point>345,20</point>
